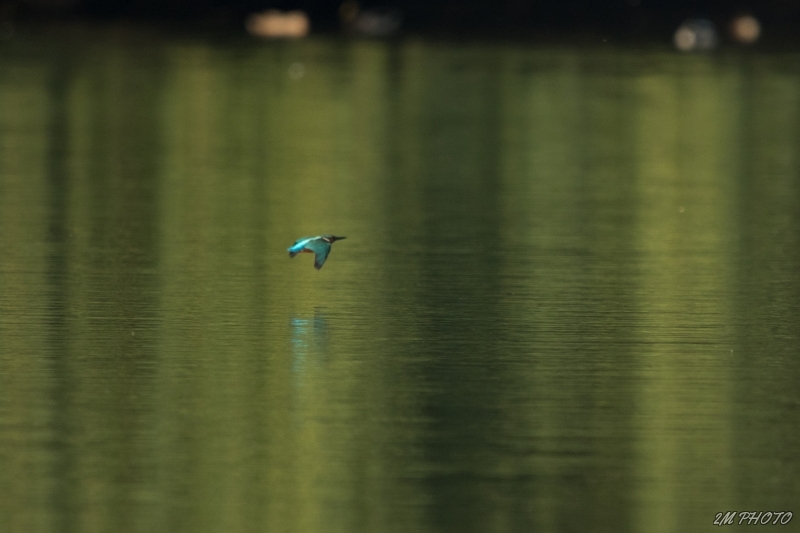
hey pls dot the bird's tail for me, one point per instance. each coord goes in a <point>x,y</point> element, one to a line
<point>292,254</point>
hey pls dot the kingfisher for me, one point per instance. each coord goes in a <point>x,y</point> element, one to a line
<point>320,246</point>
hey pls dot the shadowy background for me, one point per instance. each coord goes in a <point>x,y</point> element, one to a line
<point>610,19</point>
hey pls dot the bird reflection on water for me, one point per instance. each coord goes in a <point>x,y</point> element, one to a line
<point>309,343</point>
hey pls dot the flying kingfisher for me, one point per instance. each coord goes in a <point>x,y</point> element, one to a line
<point>320,246</point>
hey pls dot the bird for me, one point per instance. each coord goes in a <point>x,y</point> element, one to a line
<point>320,246</point>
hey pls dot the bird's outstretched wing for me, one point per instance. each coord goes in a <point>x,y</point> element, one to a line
<point>321,250</point>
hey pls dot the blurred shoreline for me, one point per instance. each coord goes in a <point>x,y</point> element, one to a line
<point>624,23</point>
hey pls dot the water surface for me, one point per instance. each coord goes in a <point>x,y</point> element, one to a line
<point>568,301</point>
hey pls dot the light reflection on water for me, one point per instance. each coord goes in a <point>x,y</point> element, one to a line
<point>567,300</point>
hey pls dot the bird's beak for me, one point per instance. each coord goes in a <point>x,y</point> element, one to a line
<point>339,238</point>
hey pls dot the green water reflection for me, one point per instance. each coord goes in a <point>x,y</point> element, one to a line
<point>568,300</point>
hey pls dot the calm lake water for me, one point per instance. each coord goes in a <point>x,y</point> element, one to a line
<point>569,298</point>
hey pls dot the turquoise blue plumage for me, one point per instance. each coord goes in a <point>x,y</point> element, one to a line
<point>320,246</point>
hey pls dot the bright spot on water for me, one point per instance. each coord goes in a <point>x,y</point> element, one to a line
<point>696,34</point>
<point>745,29</point>
<point>297,71</point>
<point>274,24</point>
